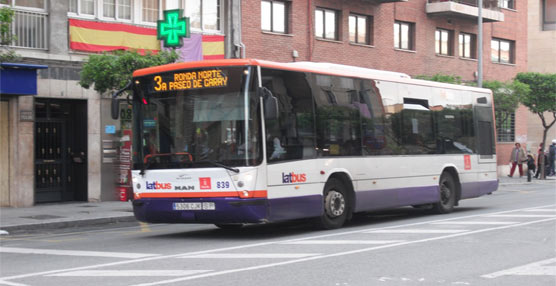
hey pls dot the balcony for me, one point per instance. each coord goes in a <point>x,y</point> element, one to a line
<point>465,9</point>
<point>30,29</point>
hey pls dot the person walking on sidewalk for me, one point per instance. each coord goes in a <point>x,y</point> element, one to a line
<point>552,157</point>
<point>541,159</point>
<point>516,159</point>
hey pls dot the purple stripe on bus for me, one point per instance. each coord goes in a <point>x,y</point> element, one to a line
<point>294,208</point>
<point>389,198</point>
<point>228,210</point>
<point>476,189</point>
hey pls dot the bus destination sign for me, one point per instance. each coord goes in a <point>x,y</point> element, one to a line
<point>190,80</point>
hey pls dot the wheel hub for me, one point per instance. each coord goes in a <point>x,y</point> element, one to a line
<point>335,204</point>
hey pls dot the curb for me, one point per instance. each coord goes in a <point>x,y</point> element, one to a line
<point>31,228</point>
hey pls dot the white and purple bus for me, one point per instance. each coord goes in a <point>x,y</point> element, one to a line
<point>241,141</point>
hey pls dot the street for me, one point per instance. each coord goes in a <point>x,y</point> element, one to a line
<point>507,238</point>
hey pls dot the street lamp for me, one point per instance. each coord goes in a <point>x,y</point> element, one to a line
<point>480,45</point>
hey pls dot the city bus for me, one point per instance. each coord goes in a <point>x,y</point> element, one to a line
<point>245,141</point>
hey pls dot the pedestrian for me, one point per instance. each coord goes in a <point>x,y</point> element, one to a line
<point>552,157</point>
<point>516,159</point>
<point>541,159</point>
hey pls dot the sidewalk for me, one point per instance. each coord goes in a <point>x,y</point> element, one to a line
<point>46,217</point>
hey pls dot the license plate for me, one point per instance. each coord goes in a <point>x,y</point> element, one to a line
<point>194,206</point>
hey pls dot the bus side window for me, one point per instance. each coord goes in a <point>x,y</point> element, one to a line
<point>291,135</point>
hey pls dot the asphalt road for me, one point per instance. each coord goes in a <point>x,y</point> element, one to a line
<point>507,238</point>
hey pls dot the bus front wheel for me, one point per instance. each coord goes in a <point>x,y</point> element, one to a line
<point>335,205</point>
<point>447,201</point>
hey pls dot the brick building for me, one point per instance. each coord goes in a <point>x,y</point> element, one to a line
<point>417,37</point>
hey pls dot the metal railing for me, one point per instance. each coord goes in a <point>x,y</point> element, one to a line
<point>487,4</point>
<point>30,29</point>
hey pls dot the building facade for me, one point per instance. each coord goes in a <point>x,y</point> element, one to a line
<point>66,152</point>
<point>417,37</point>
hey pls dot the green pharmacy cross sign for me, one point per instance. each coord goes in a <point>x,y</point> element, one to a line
<point>173,28</point>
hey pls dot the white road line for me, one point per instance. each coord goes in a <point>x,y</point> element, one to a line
<point>249,255</point>
<point>343,242</point>
<point>129,273</point>
<point>475,222</point>
<point>522,215</point>
<point>541,210</point>
<point>11,283</point>
<point>74,252</point>
<point>418,231</point>
<point>244,246</point>
<point>532,269</point>
<point>217,273</point>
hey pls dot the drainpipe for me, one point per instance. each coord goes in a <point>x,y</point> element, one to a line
<point>241,45</point>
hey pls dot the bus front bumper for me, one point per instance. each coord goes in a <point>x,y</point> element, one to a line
<point>226,210</point>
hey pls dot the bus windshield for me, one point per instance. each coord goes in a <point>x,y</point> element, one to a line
<point>197,118</point>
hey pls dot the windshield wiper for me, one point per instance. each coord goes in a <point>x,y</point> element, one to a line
<point>236,170</point>
<point>147,160</point>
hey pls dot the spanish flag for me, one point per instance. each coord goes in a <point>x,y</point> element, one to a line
<point>90,36</point>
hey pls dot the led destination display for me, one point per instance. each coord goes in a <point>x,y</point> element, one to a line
<point>190,80</point>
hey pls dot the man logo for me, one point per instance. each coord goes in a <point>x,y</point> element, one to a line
<point>184,188</point>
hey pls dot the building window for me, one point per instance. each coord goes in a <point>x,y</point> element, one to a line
<point>505,127</point>
<point>36,4</point>
<point>361,29</point>
<point>404,35</point>
<point>508,4</point>
<point>443,42</point>
<point>549,15</point>
<point>117,9</point>
<point>150,11</point>
<point>274,16</point>
<point>326,24</point>
<point>203,14</point>
<point>467,46</point>
<point>502,51</point>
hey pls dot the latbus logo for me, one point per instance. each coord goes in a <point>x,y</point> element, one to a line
<point>294,178</point>
<point>158,186</point>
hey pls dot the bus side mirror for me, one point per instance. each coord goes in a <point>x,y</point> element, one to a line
<point>270,103</point>
<point>115,104</point>
<point>114,108</point>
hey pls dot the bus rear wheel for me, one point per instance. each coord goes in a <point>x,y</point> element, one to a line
<point>335,205</point>
<point>447,201</point>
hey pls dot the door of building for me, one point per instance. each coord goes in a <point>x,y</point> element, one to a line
<point>60,150</point>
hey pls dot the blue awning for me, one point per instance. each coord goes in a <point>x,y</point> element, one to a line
<point>19,79</point>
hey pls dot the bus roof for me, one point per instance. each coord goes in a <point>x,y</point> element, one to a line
<point>313,67</point>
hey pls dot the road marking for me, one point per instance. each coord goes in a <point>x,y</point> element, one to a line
<point>418,231</point>
<point>218,273</point>
<point>129,273</point>
<point>533,269</point>
<point>475,222</point>
<point>541,210</point>
<point>11,283</point>
<point>522,215</point>
<point>160,257</point>
<point>74,252</point>
<point>250,255</point>
<point>343,242</point>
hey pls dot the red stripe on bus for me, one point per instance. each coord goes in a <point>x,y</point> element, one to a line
<point>239,194</point>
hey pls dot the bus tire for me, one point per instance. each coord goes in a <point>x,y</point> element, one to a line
<point>335,202</point>
<point>229,226</point>
<point>448,192</point>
